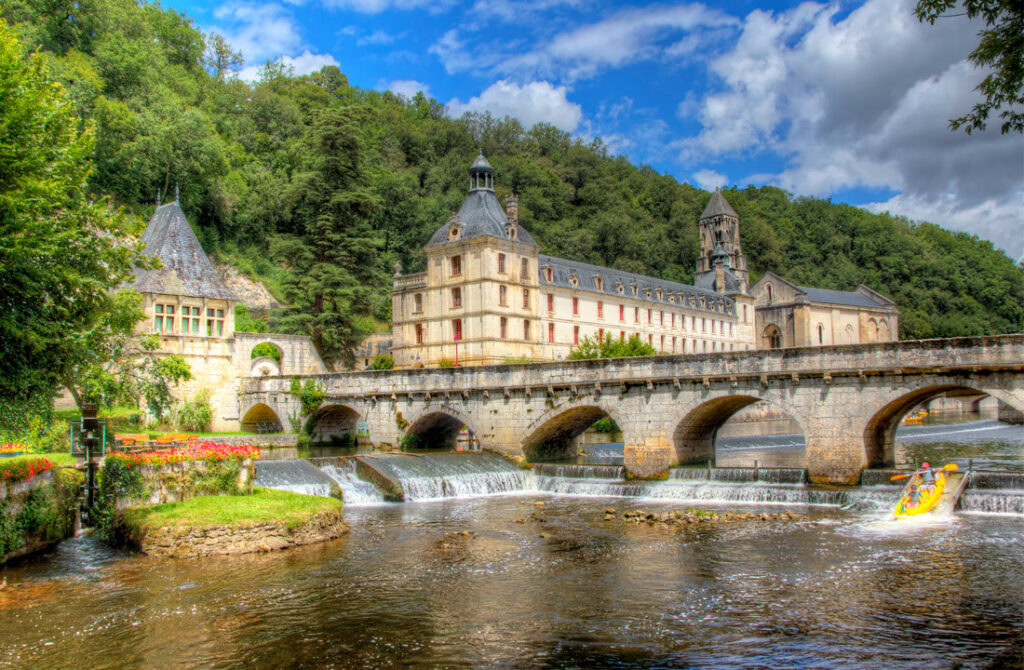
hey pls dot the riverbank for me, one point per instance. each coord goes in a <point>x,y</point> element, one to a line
<point>266,520</point>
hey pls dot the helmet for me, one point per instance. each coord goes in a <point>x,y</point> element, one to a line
<point>925,464</point>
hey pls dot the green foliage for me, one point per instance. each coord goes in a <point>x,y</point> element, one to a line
<point>61,252</point>
<point>610,347</point>
<point>311,394</point>
<point>45,514</point>
<point>382,362</point>
<point>246,322</point>
<point>519,360</point>
<point>1000,52</point>
<point>195,415</point>
<point>606,425</point>
<point>166,372</point>
<point>40,435</point>
<point>266,349</point>
<point>410,442</point>
<point>263,506</point>
<point>446,363</point>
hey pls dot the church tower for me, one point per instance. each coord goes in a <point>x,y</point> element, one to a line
<point>720,232</point>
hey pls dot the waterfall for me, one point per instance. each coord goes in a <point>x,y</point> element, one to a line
<point>737,475</point>
<point>354,490</point>
<point>992,501</point>
<point>449,475</point>
<point>297,475</point>
<point>615,472</point>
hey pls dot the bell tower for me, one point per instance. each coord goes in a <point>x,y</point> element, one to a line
<point>720,232</point>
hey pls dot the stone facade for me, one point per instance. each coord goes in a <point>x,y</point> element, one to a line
<point>847,400</point>
<point>488,296</point>
<point>795,316</point>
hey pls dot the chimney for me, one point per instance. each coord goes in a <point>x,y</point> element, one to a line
<point>512,209</point>
<point>720,276</point>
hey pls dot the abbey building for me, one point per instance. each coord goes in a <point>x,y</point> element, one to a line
<point>489,296</point>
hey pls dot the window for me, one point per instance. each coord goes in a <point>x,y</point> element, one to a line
<point>163,318</point>
<point>456,297</point>
<point>501,264</point>
<point>548,274</point>
<point>650,339</point>
<point>503,296</point>
<point>600,309</point>
<point>551,333</point>
<point>417,306</point>
<point>187,324</point>
<point>622,312</point>
<point>673,344</point>
<point>456,265</point>
<point>551,302</point>
<point>662,343</point>
<point>526,269</point>
<point>821,334</point>
<point>713,326</point>
<point>703,325</point>
<point>599,283</point>
<point>705,345</point>
<point>769,287</point>
<point>744,314</point>
<point>662,317</point>
<point>772,337</point>
<point>456,329</point>
<point>504,328</point>
<point>526,330</point>
<point>575,334</point>
<point>600,334</point>
<point>575,306</point>
<point>636,315</point>
<point>526,298</point>
<point>649,322</point>
<point>214,322</point>
<point>730,329</point>
<point>419,333</point>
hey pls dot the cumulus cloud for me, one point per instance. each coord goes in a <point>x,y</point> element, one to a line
<point>863,101</point>
<point>531,103</point>
<point>258,31</point>
<point>407,87</point>
<point>378,6</point>
<point>628,36</point>
<point>377,38</point>
<point>709,180</point>
<point>304,63</point>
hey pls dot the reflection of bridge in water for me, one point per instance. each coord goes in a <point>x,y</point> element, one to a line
<point>847,400</point>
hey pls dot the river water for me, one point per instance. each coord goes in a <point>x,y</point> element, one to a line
<point>555,586</point>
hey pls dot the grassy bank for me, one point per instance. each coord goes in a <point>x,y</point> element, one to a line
<point>59,459</point>
<point>264,505</point>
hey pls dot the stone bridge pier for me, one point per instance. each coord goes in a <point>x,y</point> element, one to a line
<point>847,400</point>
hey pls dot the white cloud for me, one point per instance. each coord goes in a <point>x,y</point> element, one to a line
<point>864,101</point>
<point>407,87</point>
<point>258,31</point>
<point>531,103</point>
<point>628,36</point>
<point>377,37</point>
<point>378,6</point>
<point>709,179</point>
<point>304,63</point>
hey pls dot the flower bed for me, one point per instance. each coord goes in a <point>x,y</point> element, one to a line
<point>11,450</point>
<point>23,469</point>
<point>200,451</point>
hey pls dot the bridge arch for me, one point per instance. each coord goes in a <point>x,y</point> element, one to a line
<point>694,435</point>
<point>436,428</point>
<point>880,429</point>
<point>552,435</point>
<point>260,418</point>
<point>333,424</point>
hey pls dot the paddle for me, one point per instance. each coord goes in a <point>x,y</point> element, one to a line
<point>948,468</point>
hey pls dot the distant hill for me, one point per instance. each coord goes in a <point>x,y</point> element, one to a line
<point>256,170</point>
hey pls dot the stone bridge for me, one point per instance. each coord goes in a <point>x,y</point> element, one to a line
<point>848,400</point>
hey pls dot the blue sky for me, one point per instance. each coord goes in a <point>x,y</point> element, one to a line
<point>848,101</point>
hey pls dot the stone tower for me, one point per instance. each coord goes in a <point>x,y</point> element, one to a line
<point>720,230</point>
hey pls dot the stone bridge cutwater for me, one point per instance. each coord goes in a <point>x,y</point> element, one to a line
<point>848,400</point>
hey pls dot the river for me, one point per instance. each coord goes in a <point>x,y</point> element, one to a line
<point>550,587</point>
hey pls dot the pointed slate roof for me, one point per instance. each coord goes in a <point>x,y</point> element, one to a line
<point>718,205</point>
<point>186,269</point>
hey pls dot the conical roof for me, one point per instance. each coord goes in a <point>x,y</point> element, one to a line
<point>186,268</point>
<point>718,205</point>
<point>481,163</point>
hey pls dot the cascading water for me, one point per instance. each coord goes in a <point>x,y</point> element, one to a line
<point>613,472</point>
<point>297,475</point>
<point>433,476</point>
<point>354,490</point>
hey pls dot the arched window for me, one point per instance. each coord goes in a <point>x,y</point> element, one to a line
<point>821,334</point>
<point>772,337</point>
<point>849,334</point>
<point>883,332</point>
<point>769,289</point>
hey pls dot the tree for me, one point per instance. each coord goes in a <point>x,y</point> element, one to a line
<point>61,254</point>
<point>609,347</point>
<point>1001,48</point>
<point>334,257</point>
<point>220,58</point>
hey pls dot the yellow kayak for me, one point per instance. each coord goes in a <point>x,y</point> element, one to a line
<point>926,501</point>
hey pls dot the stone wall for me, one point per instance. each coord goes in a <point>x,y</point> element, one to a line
<point>175,482</point>
<point>38,513</point>
<point>197,542</point>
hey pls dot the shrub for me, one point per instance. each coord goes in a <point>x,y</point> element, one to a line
<point>196,414</point>
<point>310,393</point>
<point>266,349</point>
<point>446,363</point>
<point>609,347</point>
<point>382,362</point>
<point>606,425</point>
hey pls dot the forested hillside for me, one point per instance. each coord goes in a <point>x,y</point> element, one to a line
<point>318,187</point>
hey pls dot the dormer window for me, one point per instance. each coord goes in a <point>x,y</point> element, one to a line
<point>599,283</point>
<point>672,299</point>
<point>454,228</point>
<point>574,280</point>
<point>511,231</point>
<point>660,294</point>
<point>549,274</point>
<point>636,290</point>
<point>647,293</point>
<point>620,288</point>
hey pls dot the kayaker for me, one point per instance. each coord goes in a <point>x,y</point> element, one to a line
<point>927,476</point>
<point>913,496</point>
